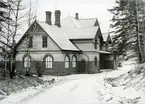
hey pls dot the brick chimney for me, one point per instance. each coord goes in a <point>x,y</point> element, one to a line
<point>57,18</point>
<point>77,16</point>
<point>48,17</point>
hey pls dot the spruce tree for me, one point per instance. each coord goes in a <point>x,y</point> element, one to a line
<point>126,28</point>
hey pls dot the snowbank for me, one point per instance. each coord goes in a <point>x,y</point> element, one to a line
<point>126,87</point>
<point>19,83</point>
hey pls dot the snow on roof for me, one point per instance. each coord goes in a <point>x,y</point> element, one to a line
<point>81,33</point>
<point>90,22</point>
<point>105,52</point>
<point>58,36</point>
<point>105,36</point>
<point>79,29</point>
<point>70,22</point>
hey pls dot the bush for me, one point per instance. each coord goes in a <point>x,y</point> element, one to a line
<point>39,69</point>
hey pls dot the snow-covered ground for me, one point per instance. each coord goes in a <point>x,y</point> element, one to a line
<point>117,88</point>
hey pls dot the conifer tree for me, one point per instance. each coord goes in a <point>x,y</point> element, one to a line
<point>126,28</point>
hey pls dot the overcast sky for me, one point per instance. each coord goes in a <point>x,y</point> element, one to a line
<point>85,8</point>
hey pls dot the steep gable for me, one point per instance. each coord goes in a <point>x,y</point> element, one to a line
<point>106,37</point>
<point>37,33</point>
<point>59,36</point>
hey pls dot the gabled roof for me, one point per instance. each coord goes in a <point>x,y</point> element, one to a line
<point>79,29</point>
<point>70,29</point>
<point>105,36</point>
<point>70,22</point>
<point>81,33</point>
<point>90,22</point>
<point>58,36</point>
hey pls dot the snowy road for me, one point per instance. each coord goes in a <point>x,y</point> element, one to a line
<point>80,91</point>
<point>84,89</point>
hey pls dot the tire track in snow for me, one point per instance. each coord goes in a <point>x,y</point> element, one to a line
<point>74,87</point>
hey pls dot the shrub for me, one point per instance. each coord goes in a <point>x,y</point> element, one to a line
<point>39,69</point>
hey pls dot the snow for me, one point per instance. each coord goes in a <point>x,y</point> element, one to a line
<point>70,22</point>
<point>81,33</point>
<point>89,22</point>
<point>105,36</point>
<point>74,29</point>
<point>58,36</point>
<point>109,87</point>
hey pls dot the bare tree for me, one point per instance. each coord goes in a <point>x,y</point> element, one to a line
<point>12,26</point>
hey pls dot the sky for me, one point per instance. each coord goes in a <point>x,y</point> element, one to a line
<point>85,8</point>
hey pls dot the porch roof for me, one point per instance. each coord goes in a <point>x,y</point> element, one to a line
<point>105,52</point>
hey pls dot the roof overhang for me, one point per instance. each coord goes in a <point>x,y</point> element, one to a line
<point>104,52</point>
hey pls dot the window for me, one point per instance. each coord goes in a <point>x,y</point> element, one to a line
<point>95,44</point>
<point>44,41</point>
<point>27,62</point>
<point>48,62</point>
<point>74,62</point>
<point>66,62</point>
<point>30,44</point>
<point>95,61</point>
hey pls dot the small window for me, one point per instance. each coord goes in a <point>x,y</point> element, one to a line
<point>44,41</point>
<point>95,44</point>
<point>74,62</point>
<point>30,42</point>
<point>27,62</point>
<point>48,62</point>
<point>95,61</point>
<point>66,62</point>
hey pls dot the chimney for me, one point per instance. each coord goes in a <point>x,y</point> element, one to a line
<point>57,18</point>
<point>77,16</point>
<point>48,17</point>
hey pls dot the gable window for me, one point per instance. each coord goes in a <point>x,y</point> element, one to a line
<point>44,41</point>
<point>27,62</point>
<point>66,61</point>
<point>48,61</point>
<point>30,42</point>
<point>74,62</point>
<point>95,61</point>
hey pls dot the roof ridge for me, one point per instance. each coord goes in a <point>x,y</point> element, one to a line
<point>73,21</point>
<point>87,18</point>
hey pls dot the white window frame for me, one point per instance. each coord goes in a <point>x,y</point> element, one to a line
<point>67,62</point>
<point>27,62</point>
<point>48,62</point>
<point>74,62</point>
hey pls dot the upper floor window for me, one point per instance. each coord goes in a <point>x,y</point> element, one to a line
<point>74,62</point>
<point>30,42</point>
<point>27,62</point>
<point>66,61</point>
<point>44,41</point>
<point>48,61</point>
<point>95,44</point>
